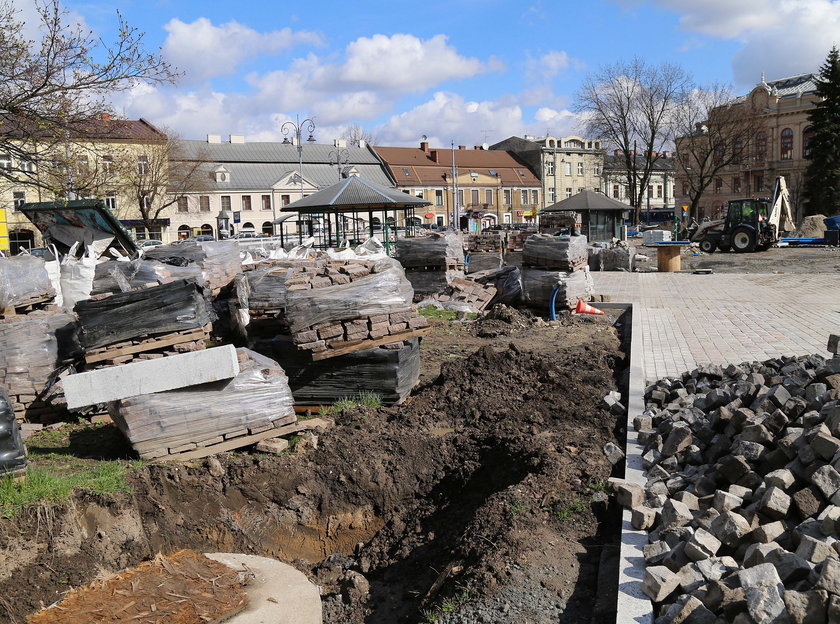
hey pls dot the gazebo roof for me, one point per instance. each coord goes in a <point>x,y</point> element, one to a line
<point>586,201</point>
<point>354,193</point>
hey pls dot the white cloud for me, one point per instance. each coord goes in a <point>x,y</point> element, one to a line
<point>203,50</point>
<point>724,18</point>
<point>550,65</point>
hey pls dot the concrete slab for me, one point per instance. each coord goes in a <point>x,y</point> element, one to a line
<point>278,593</point>
<point>146,377</point>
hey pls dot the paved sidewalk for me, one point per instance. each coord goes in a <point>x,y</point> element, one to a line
<point>688,319</point>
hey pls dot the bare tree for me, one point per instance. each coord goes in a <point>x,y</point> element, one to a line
<point>629,105</point>
<point>52,89</point>
<point>713,132</point>
<point>355,134</point>
<point>161,175</point>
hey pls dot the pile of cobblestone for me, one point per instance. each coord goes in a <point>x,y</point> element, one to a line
<point>742,500</point>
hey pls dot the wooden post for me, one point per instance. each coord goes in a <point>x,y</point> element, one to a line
<point>668,258</point>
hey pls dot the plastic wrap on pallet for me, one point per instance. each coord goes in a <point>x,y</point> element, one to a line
<point>268,287</point>
<point>390,373</point>
<point>432,250</point>
<point>257,396</point>
<point>565,253</point>
<point>385,291</point>
<point>23,280</point>
<point>426,283</point>
<point>484,260</point>
<point>176,306</point>
<point>12,450</point>
<point>508,283</point>
<point>113,276</point>
<point>537,285</point>
<point>615,259</point>
<point>219,260</point>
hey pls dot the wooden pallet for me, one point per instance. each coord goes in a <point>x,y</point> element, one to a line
<point>435,268</point>
<point>151,344</point>
<point>361,345</point>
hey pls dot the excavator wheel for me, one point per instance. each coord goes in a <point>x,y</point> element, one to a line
<point>743,240</point>
<point>707,245</point>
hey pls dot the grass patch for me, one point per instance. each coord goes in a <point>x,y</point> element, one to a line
<point>439,314</point>
<point>518,507</point>
<point>363,399</point>
<point>449,605</point>
<point>45,485</point>
<point>566,512</point>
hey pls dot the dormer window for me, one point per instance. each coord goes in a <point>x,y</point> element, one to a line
<point>221,175</point>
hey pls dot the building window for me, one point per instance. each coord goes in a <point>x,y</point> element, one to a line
<point>568,193</point>
<point>204,203</point>
<point>717,155</point>
<point>659,191</point>
<point>183,206</point>
<point>268,227</point>
<point>5,161</point>
<point>535,198</point>
<point>580,168</point>
<point>737,150</point>
<point>206,229</point>
<point>650,190</point>
<point>568,167</point>
<point>439,220</point>
<point>155,232</point>
<point>419,193</point>
<point>183,232</point>
<point>18,199</point>
<point>736,184</point>
<point>488,196</point>
<point>438,198</point>
<point>82,164</point>
<point>807,142</point>
<point>140,232</point>
<point>787,144</point>
<point>507,218</point>
<point>461,197</point>
<point>552,196</point>
<point>246,202</point>
<point>597,169</point>
<point>474,197</point>
<point>758,183</point>
<point>226,203</point>
<point>142,165</point>
<point>761,146</point>
<point>615,191</point>
<point>146,200</point>
<point>111,200</point>
<point>285,199</point>
<point>506,194</point>
<point>684,189</point>
<point>549,168</point>
<point>266,202</point>
<point>523,198</point>
<point>107,163</point>
<point>718,185</point>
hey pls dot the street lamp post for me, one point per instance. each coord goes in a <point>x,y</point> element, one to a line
<point>295,129</point>
<point>340,156</point>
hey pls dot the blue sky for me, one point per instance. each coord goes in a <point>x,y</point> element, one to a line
<point>467,71</point>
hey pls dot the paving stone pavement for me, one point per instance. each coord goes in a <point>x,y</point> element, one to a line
<point>722,318</point>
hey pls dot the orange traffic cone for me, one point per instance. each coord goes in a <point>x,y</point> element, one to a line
<point>585,308</point>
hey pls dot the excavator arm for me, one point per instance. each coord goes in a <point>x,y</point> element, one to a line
<point>780,217</point>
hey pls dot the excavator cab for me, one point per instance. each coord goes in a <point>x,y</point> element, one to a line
<point>745,228</point>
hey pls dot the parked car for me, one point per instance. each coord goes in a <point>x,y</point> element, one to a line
<point>38,252</point>
<point>204,237</point>
<point>151,243</point>
<point>246,235</point>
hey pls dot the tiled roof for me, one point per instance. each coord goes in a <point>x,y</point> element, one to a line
<point>430,167</point>
<point>273,152</point>
<point>93,129</point>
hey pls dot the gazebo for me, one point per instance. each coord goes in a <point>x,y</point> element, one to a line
<point>334,213</point>
<point>601,217</point>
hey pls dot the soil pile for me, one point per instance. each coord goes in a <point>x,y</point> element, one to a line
<point>503,320</point>
<point>479,495</point>
<point>811,227</point>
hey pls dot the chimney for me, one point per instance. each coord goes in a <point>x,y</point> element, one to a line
<point>340,143</point>
<point>424,145</point>
<point>237,138</point>
<point>214,138</point>
<point>434,155</point>
<point>105,116</point>
<point>362,143</point>
<point>462,147</point>
<point>477,147</point>
<point>617,152</point>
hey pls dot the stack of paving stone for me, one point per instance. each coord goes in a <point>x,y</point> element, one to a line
<point>431,262</point>
<point>219,261</point>
<point>742,498</point>
<point>32,348</point>
<point>144,324</point>
<point>255,401</point>
<point>12,451</point>
<point>340,306</point>
<point>113,276</point>
<point>23,281</point>
<point>486,241</point>
<point>474,294</point>
<point>516,240</point>
<point>560,262</point>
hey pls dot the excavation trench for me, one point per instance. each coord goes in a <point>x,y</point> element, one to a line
<point>485,484</point>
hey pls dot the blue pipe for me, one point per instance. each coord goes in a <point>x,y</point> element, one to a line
<point>552,301</point>
<point>467,259</point>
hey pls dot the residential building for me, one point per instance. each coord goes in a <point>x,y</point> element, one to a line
<point>472,188</point>
<point>564,165</point>
<point>92,162</point>
<point>779,148</point>
<point>252,182</point>
<point>659,195</point>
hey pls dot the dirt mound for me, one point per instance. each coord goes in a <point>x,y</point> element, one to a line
<point>503,320</point>
<point>811,227</point>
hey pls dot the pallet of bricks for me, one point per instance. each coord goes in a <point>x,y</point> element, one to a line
<point>516,240</point>
<point>266,294</point>
<point>24,285</point>
<point>431,262</point>
<point>473,294</point>
<point>196,421</point>
<point>142,324</point>
<point>342,306</point>
<point>486,241</point>
<point>559,262</point>
<point>219,261</point>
